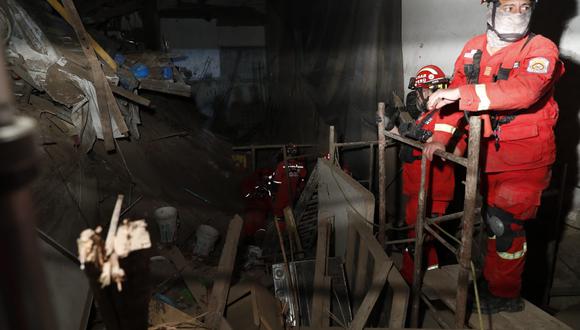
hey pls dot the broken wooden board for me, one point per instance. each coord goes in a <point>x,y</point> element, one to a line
<point>161,313</point>
<point>238,313</point>
<point>444,282</point>
<point>167,87</point>
<point>221,286</point>
<point>130,96</point>
<point>98,76</point>
<point>198,291</point>
<point>268,309</point>
<point>95,45</point>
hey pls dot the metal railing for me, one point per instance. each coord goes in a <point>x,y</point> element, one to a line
<point>468,218</point>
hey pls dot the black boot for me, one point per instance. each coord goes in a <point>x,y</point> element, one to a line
<point>491,304</point>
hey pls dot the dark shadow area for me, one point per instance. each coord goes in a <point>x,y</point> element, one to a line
<point>544,234</point>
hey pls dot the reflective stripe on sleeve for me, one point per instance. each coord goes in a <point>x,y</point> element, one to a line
<point>484,101</point>
<point>445,128</point>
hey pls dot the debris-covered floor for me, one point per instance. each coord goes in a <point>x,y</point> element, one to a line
<point>154,200</point>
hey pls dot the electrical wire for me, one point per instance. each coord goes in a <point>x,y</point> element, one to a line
<point>477,301</point>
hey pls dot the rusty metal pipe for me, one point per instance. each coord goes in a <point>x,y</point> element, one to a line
<point>419,227</point>
<point>469,210</point>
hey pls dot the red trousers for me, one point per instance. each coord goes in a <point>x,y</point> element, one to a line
<point>518,193</point>
<point>440,178</point>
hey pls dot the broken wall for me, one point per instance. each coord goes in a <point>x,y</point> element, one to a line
<point>228,71</point>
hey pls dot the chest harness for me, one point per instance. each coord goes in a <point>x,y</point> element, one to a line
<point>472,72</point>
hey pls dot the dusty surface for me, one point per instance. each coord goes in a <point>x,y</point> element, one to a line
<point>75,191</point>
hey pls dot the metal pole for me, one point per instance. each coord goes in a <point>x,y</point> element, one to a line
<point>382,175</point>
<point>417,277</point>
<point>24,299</point>
<point>469,210</point>
<point>443,154</point>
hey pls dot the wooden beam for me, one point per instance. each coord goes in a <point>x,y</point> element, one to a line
<point>95,45</point>
<point>198,291</point>
<point>166,87</point>
<point>99,79</point>
<point>291,222</point>
<point>221,287</point>
<point>137,99</point>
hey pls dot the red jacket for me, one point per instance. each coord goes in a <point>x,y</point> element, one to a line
<point>527,141</point>
<point>441,175</point>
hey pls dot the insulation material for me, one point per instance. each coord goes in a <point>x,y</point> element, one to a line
<point>29,46</point>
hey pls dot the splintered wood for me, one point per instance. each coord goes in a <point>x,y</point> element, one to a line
<point>107,104</point>
<point>221,287</point>
<point>121,240</point>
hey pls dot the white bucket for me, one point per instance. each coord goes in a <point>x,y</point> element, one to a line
<point>206,236</point>
<point>166,218</point>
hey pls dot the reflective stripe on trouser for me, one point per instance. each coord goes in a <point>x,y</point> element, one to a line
<point>518,193</point>
<point>503,270</point>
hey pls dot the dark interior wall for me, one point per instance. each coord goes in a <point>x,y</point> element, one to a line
<point>334,59</point>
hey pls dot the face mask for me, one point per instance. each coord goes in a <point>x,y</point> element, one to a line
<point>509,28</point>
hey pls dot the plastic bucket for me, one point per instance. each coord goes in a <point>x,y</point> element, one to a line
<point>166,218</point>
<point>206,236</point>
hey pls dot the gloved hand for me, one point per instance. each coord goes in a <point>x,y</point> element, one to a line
<point>406,129</point>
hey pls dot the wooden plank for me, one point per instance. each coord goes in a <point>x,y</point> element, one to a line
<point>268,308</point>
<point>289,216</point>
<point>95,45</point>
<point>221,286</point>
<point>375,289</point>
<point>321,293</point>
<point>383,266</point>
<point>114,110</point>
<point>198,291</point>
<point>161,313</point>
<point>98,76</point>
<point>137,99</point>
<point>239,291</point>
<point>238,313</point>
<point>166,87</point>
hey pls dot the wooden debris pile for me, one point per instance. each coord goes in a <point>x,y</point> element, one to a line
<point>77,85</point>
<point>243,305</point>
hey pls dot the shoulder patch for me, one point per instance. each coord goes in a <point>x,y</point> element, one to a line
<point>538,65</point>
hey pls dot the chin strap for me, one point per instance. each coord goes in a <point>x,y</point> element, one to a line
<point>507,37</point>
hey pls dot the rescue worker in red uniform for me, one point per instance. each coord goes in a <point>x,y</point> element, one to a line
<point>288,185</point>
<point>258,201</point>
<point>440,174</point>
<point>507,75</point>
